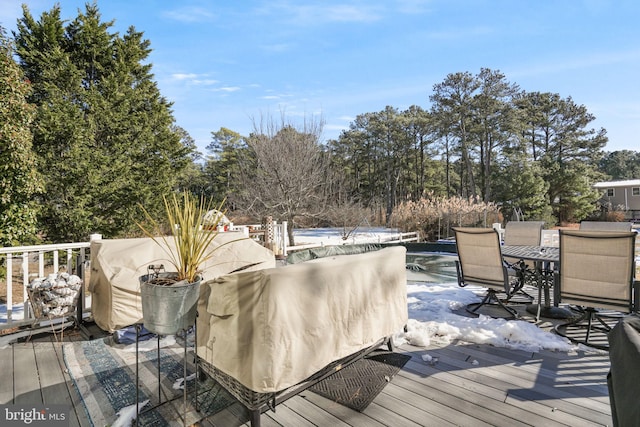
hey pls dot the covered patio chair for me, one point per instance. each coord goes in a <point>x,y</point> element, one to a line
<point>480,263</point>
<point>523,233</point>
<point>623,379</point>
<point>596,274</point>
<point>605,226</point>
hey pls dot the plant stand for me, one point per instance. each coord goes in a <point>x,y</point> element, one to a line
<point>138,328</point>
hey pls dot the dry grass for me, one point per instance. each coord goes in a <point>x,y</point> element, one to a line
<point>434,216</point>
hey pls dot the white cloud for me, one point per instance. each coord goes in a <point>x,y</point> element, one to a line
<point>349,13</point>
<point>227,89</point>
<point>190,14</point>
<point>194,79</point>
<point>413,7</point>
<point>205,82</point>
<point>316,14</point>
<point>181,76</point>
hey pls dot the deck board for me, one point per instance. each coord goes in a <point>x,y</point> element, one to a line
<point>490,399</point>
<point>399,391</point>
<point>27,383</point>
<point>502,388</point>
<point>474,387</point>
<point>52,380</point>
<point>455,399</point>
<point>80,416</point>
<point>6,375</point>
<point>315,414</point>
<point>351,416</point>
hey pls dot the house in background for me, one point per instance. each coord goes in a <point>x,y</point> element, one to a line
<point>621,195</point>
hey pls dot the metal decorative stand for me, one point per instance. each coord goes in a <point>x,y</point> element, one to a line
<point>138,327</point>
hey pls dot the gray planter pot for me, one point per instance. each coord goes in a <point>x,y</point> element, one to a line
<point>167,310</point>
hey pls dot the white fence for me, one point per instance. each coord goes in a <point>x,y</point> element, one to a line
<point>24,263</point>
<point>275,237</point>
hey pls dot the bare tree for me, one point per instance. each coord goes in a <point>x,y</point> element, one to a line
<point>283,171</point>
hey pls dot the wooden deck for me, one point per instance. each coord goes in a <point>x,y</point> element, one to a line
<point>468,385</point>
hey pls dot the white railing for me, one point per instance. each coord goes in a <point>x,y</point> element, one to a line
<point>37,261</point>
<point>29,262</point>
<point>550,238</point>
<point>412,236</point>
<point>276,237</point>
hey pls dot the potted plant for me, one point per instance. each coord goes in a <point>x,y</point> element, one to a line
<point>169,299</point>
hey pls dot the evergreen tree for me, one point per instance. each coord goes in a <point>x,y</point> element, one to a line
<point>621,165</point>
<point>452,106</point>
<point>223,168</point>
<point>103,133</point>
<point>19,180</point>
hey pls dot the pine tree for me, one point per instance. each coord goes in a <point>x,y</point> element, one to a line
<point>103,134</point>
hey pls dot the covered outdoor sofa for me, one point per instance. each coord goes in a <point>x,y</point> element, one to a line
<point>117,264</point>
<point>264,333</point>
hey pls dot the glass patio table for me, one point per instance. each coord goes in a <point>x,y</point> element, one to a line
<point>545,260</point>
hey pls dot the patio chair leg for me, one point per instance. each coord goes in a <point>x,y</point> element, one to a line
<point>589,319</point>
<point>484,301</point>
<point>584,322</point>
<point>602,322</point>
<point>487,300</point>
<point>255,417</point>
<point>390,345</point>
<point>507,309</point>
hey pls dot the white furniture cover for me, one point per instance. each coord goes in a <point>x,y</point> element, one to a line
<point>117,264</point>
<point>271,329</point>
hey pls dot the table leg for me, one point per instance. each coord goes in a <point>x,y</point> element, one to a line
<point>546,309</point>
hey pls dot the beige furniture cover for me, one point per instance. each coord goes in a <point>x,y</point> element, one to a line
<point>117,264</point>
<point>271,329</point>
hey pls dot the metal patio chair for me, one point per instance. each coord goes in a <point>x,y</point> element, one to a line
<point>605,226</point>
<point>523,233</point>
<point>480,263</point>
<point>596,275</point>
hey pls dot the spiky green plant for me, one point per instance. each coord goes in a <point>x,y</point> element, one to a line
<point>190,234</point>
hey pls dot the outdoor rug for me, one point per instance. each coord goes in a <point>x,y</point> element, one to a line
<point>104,374</point>
<point>359,383</point>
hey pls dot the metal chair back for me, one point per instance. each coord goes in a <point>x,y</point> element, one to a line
<point>480,258</point>
<point>523,233</point>
<point>597,269</point>
<point>605,226</point>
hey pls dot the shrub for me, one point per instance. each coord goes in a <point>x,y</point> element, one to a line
<point>434,216</point>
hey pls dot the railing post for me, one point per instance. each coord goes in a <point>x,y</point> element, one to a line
<point>9,286</point>
<point>55,260</point>
<point>40,263</point>
<point>25,282</point>
<point>285,238</point>
<point>268,232</point>
<point>69,261</point>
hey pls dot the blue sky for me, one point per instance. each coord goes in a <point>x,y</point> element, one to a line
<point>229,63</point>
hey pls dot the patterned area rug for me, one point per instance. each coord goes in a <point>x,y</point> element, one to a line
<point>359,383</point>
<point>104,374</point>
